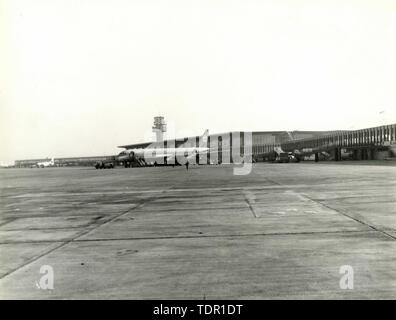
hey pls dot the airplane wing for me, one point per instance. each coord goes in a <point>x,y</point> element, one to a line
<point>136,145</point>
<point>156,156</point>
<point>153,157</point>
<point>168,157</point>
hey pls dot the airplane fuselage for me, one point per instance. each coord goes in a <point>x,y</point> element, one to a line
<point>167,155</point>
<point>152,154</point>
<point>46,164</point>
<point>168,151</point>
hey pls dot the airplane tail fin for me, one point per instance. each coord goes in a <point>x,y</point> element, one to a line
<point>278,150</point>
<point>204,139</point>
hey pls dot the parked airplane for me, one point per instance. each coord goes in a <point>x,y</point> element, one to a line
<point>166,155</point>
<point>46,163</point>
<point>311,154</point>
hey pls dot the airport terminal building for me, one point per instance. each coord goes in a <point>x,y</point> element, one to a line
<point>65,162</point>
<point>364,144</point>
<point>216,142</point>
<point>262,143</point>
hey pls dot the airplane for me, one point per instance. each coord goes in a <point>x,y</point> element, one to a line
<point>165,155</point>
<point>46,163</point>
<point>309,154</point>
<point>281,156</point>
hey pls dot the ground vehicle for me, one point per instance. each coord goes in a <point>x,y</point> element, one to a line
<point>293,157</point>
<point>282,157</point>
<point>279,155</point>
<point>104,165</point>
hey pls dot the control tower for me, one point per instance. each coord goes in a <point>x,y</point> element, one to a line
<point>159,128</point>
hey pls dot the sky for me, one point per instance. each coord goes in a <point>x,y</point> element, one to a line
<point>81,77</point>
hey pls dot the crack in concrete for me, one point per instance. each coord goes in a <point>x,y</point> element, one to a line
<point>250,204</point>
<point>198,236</point>
<point>8,221</point>
<point>80,234</point>
<point>346,214</point>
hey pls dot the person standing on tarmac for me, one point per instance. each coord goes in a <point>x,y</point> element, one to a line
<point>187,165</point>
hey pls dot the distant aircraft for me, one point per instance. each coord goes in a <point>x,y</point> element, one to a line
<point>282,156</point>
<point>165,155</point>
<point>46,163</point>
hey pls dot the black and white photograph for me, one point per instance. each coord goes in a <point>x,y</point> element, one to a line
<point>197,150</point>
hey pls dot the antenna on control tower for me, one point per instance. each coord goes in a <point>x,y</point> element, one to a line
<point>159,128</point>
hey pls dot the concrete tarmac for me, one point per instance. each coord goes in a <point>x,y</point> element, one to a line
<point>281,232</point>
